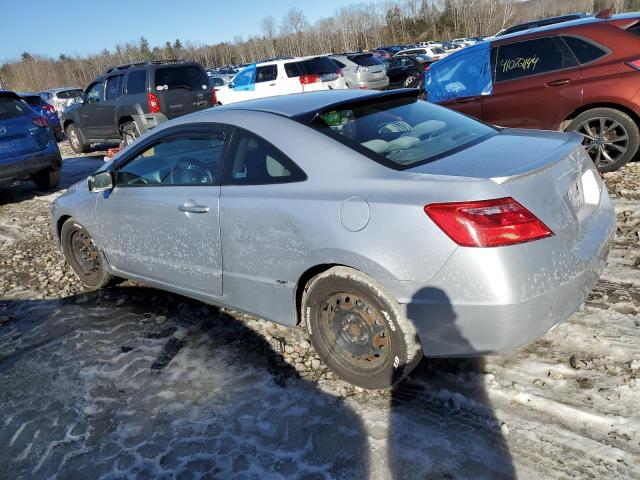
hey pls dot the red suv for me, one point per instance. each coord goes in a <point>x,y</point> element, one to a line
<point>581,75</point>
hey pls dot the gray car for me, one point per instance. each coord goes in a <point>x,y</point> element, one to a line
<point>390,227</point>
<point>362,71</point>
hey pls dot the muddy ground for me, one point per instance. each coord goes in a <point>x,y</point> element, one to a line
<point>133,382</point>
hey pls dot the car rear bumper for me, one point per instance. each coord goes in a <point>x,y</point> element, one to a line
<point>379,84</point>
<point>19,168</point>
<point>492,300</point>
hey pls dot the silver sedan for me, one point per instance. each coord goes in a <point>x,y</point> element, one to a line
<point>389,227</point>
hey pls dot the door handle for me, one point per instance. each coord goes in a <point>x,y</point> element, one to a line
<point>191,207</point>
<point>272,84</point>
<point>558,83</point>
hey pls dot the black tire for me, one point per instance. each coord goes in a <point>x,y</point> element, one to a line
<point>611,137</point>
<point>46,179</point>
<point>84,257</point>
<point>359,330</point>
<point>408,81</point>
<point>59,136</point>
<point>76,139</point>
<point>129,133</point>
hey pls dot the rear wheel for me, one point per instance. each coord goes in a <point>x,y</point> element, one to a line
<point>76,140</point>
<point>409,80</point>
<point>46,179</point>
<point>610,137</point>
<point>129,132</point>
<point>84,257</point>
<point>358,330</point>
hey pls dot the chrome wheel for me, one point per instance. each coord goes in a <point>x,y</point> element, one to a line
<point>605,139</point>
<point>73,138</point>
<point>356,332</point>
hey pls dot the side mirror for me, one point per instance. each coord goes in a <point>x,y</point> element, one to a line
<point>100,182</point>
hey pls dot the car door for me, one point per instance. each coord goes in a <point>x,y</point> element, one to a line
<point>398,69</point>
<point>242,87</point>
<point>91,111</point>
<point>113,91</point>
<point>266,81</point>
<point>537,84</point>
<point>160,221</point>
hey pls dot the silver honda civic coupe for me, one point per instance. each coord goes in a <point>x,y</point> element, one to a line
<point>389,227</point>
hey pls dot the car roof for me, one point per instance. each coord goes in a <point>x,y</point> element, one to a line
<point>568,24</point>
<point>305,106</point>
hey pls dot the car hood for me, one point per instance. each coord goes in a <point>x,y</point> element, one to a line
<point>509,153</point>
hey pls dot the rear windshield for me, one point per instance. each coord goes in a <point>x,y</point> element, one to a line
<point>402,133</point>
<point>33,100</point>
<point>10,108</point>
<point>317,66</point>
<point>365,60</point>
<point>189,77</point>
<point>69,94</point>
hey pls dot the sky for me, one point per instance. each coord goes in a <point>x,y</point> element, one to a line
<point>80,27</point>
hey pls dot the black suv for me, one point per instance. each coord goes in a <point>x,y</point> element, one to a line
<point>128,100</point>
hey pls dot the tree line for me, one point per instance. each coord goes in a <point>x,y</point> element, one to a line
<point>365,26</point>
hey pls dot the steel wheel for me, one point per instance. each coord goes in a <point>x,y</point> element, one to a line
<point>356,330</point>
<point>85,253</point>
<point>605,139</point>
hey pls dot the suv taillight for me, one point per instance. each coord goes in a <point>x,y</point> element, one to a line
<point>153,103</point>
<point>214,99</point>
<point>487,223</point>
<point>41,122</point>
<point>307,79</point>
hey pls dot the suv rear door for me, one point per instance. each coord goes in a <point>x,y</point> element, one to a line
<point>537,84</point>
<point>181,89</point>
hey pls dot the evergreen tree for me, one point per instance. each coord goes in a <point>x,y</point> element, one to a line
<point>145,52</point>
<point>177,45</point>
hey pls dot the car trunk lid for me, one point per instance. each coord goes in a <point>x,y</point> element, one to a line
<point>20,136</point>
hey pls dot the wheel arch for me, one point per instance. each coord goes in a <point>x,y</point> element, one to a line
<point>59,223</point>
<point>124,119</point>
<point>614,106</point>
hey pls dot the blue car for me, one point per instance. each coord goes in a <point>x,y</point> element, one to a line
<point>41,107</point>
<point>28,149</point>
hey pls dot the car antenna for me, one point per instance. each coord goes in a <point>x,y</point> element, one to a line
<point>606,13</point>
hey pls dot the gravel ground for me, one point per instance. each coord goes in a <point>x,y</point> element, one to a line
<point>132,382</point>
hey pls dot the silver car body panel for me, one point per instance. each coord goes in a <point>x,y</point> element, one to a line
<point>353,211</point>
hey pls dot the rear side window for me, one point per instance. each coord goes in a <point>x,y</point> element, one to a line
<point>189,77</point>
<point>137,82</point>
<point>292,69</point>
<point>584,51</point>
<point>267,73</point>
<point>318,66</point>
<point>531,57</point>
<point>254,161</point>
<point>635,28</point>
<point>114,87</point>
<point>365,60</point>
<point>10,108</point>
<point>339,63</point>
<point>402,133</point>
<point>69,94</point>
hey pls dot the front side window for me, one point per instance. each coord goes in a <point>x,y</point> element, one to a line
<point>267,73</point>
<point>94,94</point>
<point>245,77</point>
<point>137,82</point>
<point>114,87</point>
<point>254,161</point>
<point>402,133</point>
<point>531,57</point>
<point>584,51</point>
<point>189,160</point>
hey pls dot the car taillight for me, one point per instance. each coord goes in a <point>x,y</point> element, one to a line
<point>152,103</point>
<point>340,72</point>
<point>487,223</point>
<point>635,64</point>
<point>307,79</point>
<point>41,122</point>
<point>214,99</point>
<point>48,108</point>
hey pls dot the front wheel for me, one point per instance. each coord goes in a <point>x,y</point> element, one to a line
<point>76,140</point>
<point>83,255</point>
<point>610,137</point>
<point>358,330</point>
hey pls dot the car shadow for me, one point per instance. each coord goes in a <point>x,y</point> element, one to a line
<point>442,424</point>
<point>74,169</point>
<point>135,382</point>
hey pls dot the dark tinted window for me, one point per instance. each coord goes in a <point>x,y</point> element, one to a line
<point>584,51</point>
<point>185,160</point>
<point>319,66</point>
<point>10,108</point>
<point>69,94</point>
<point>365,60</point>
<point>254,161</point>
<point>338,63</point>
<point>190,77</point>
<point>635,29</point>
<point>137,82</point>
<point>217,82</point>
<point>114,87</point>
<point>267,73</point>
<point>33,100</point>
<point>531,57</point>
<point>292,69</point>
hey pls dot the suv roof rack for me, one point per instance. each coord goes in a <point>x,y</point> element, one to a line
<point>124,66</point>
<point>542,22</point>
